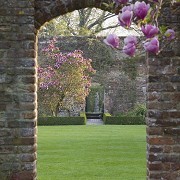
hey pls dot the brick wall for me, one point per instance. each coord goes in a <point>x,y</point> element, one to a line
<point>17,90</point>
<point>163,103</point>
<point>18,19</point>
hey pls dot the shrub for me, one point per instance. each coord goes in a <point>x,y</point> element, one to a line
<point>105,115</point>
<point>123,120</point>
<point>138,110</point>
<point>83,114</point>
<point>52,121</point>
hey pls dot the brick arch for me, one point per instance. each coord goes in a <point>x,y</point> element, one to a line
<point>19,20</point>
<point>47,10</point>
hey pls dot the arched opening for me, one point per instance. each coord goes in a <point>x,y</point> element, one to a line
<point>118,173</point>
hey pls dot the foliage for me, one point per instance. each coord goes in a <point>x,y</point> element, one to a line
<point>54,121</point>
<point>138,110</point>
<point>65,82</point>
<point>91,152</point>
<point>123,120</point>
<point>88,21</point>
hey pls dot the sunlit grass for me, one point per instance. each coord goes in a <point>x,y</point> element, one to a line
<point>91,152</point>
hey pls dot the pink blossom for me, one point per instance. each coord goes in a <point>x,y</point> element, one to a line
<point>170,34</point>
<point>125,18</point>
<point>152,46</point>
<point>130,40</point>
<point>112,40</point>
<point>149,30</point>
<point>129,49</point>
<point>141,9</point>
<point>129,8</point>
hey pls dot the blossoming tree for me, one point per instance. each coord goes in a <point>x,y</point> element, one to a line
<point>145,15</point>
<point>65,81</point>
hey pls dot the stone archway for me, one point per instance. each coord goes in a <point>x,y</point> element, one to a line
<point>19,22</point>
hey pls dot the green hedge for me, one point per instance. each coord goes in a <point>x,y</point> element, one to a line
<point>52,121</point>
<point>133,120</point>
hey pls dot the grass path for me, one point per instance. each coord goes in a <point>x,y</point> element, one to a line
<point>91,153</point>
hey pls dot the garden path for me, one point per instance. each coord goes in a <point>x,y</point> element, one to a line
<point>94,122</point>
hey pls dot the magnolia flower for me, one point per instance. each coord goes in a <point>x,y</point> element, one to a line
<point>125,18</point>
<point>129,8</point>
<point>112,40</point>
<point>129,49</point>
<point>130,40</point>
<point>170,34</point>
<point>152,46</point>
<point>149,30</point>
<point>141,9</point>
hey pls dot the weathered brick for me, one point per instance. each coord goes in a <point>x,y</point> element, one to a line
<point>28,157</point>
<point>27,106</point>
<point>154,131</point>
<point>8,149</point>
<point>155,166</point>
<point>27,148</point>
<point>24,141</point>
<point>5,132</point>
<point>175,166</point>
<point>176,97</point>
<point>167,122</point>
<point>176,149</point>
<point>27,132</point>
<point>21,124</point>
<point>155,149</point>
<point>28,115</point>
<point>29,80</point>
<point>22,175</point>
<point>160,141</point>
<point>172,130</point>
<point>167,149</point>
<point>27,97</point>
<point>29,166</point>
<point>175,79</point>
<point>2,124</point>
<point>159,87</point>
<point>152,96</point>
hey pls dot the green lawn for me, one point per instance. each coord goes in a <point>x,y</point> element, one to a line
<point>91,152</point>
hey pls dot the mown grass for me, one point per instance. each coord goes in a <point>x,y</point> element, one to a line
<point>91,152</point>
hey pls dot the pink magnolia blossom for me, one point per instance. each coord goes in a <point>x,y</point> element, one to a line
<point>141,9</point>
<point>130,40</point>
<point>129,49</point>
<point>149,30</point>
<point>125,18</point>
<point>129,8</point>
<point>152,46</point>
<point>170,34</point>
<point>112,40</point>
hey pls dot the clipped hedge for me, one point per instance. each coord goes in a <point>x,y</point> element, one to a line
<point>132,120</point>
<point>53,121</point>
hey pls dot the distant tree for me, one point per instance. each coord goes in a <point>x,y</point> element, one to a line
<point>88,21</point>
<point>65,81</point>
